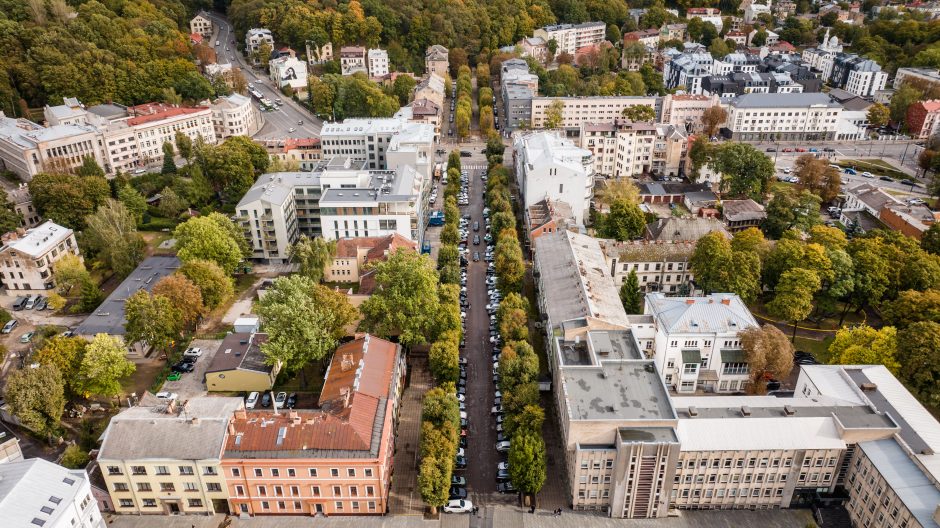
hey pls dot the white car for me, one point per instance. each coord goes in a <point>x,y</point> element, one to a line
<point>193,352</point>
<point>502,447</point>
<point>458,506</point>
<point>291,129</point>
<point>497,409</point>
<point>503,466</point>
<point>252,400</point>
<point>868,174</point>
<point>463,415</point>
<point>461,398</point>
<point>166,396</point>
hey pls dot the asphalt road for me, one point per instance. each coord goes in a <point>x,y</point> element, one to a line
<point>279,123</point>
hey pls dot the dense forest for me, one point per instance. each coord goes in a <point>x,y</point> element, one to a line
<point>132,51</point>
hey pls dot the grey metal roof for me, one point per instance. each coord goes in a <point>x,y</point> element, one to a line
<point>778,100</point>
<point>108,318</point>
<point>905,478</point>
<point>27,490</point>
<point>718,312</point>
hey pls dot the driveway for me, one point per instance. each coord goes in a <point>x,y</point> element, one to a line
<point>194,383</point>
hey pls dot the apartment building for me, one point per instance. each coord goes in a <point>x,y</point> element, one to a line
<point>712,15</point>
<point>234,115</point>
<point>336,460</point>
<point>658,266</point>
<point>736,62</point>
<point>635,144</point>
<point>535,47</point>
<point>382,143</point>
<point>622,148</point>
<point>319,54</point>
<point>571,37</point>
<point>354,254</point>
<point>378,63</point>
<point>35,492</point>
<point>166,458</point>
<point>27,257</point>
<point>254,38</point>
<point>685,111</point>
<point>304,152</point>
<point>925,79</point>
<point>670,151</point>
<point>697,341</point>
<point>830,47</point>
<point>340,198</point>
<point>600,139</point>
<point>424,111</point>
<point>577,111</point>
<point>687,70</point>
<point>431,88</point>
<point>785,117</point>
<point>923,118</point>
<point>549,166</point>
<point>856,75</point>
<point>288,70</point>
<point>437,60</point>
<point>352,59</point>
<point>518,86</point>
<point>201,24</point>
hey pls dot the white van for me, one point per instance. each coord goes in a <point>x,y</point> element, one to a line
<point>251,401</point>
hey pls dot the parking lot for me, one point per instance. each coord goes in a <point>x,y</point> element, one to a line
<point>193,383</point>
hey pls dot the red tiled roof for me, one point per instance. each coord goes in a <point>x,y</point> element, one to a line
<point>389,245</point>
<point>150,112</point>
<point>377,359</point>
<point>349,247</point>
<point>196,38</point>
<point>292,143</point>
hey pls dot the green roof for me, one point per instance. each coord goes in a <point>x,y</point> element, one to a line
<point>691,356</point>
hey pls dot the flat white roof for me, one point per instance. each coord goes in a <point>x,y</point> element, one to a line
<point>40,239</point>
<point>721,434</point>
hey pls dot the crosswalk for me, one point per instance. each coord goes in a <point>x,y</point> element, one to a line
<point>473,167</point>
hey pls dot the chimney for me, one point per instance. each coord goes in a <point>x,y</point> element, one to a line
<point>693,412</point>
<point>690,301</point>
<point>745,410</point>
<point>347,362</point>
<point>869,387</point>
<point>788,410</point>
<point>726,301</point>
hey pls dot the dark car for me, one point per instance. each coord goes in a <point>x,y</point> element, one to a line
<point>506,487</point>
<point>266,400</point>
<point>460,463</point>
<point>886,178</point>
<point>458,481</point>
<point>907,182</point>
<point>183,366</point>
<point>476,256</point>
<point>476,240</point>
<point>465,154</point>
<point>502,475</point>
<point>771,149</point>
<point>456,492</point>
<point>291,400</point>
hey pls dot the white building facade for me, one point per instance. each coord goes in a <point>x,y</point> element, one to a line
<point>378,63</point>
<point>234,115</point>
<point>548,166</point>
<point>35,492</point>
<point>27,258</point>
<point>571,37</point>
<point>289,71</point>
<point>785,117</point>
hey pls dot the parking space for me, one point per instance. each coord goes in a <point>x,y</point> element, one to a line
<point>193,383</point>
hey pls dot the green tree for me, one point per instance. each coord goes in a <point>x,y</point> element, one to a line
<point>104,365</point>
<point>37,398</point>
<point>639,113</point>
<point>528,421</point>
<point>90,167</point>
<point>919,355</point>
<point>527,462</point>
<point>313,255</point>
<point>67,200</point>
<point>768,353</point>
<point>871,273</point>
<point>184,144</point>
<point>816,176</point>
<point>518,365</point>
<point>745,170</point>
<point>10,220</point>
<point>790,209</point>
<point>444,360</point>
<point>630,294</point>
<point>152,319</point>
<point>135,202</point>
<point>112,236</point>
<point>902,99</point>
<point>930,241</point>
<point>553,114</point>
<point>793,297</point>
<point>184,296</point>
<point>402,88</point>
<point>405,300</point>
<point>303,320</point>
<point>74,457</point>
<point>171,203</point>
<point>718,268</point>
<point>624,222</point>
<point>440,407</point>
<point>66,354</point>
<point>434,482</point>
<point>201,238</point>
<point>878,115</point>
<point>69,271</point>
<point>512,318</point>
<point>864,345</point>
<point>90,296</point>
<point>169,163</point>
<point>510,266</point>
<point>214,284</point>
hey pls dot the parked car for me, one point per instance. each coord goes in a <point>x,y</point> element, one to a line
<point>457,492</point>
<point>27,337</point>
<point>183,366</point>
<point>502,475</point>
<point>266,399</point>
<point>458,506</point>
<point>506,487</point>
<point>20,303</point>
<point>166,396</point>
<point>502,447</point>
<point>460,463</point>
<point>280,399</point>
<point>11,324</point>
<point>193,352</point>
<point>252,400</point>
<point>292,400</point>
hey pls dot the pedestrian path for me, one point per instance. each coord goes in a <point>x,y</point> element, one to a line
<point>473,167</point>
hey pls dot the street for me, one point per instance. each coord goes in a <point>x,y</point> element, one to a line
<point>278,123</point>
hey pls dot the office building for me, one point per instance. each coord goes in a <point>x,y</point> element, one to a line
<point>35,492</point>
<point>577,111</point>
<point>336,460</point>
<point>165,458</point>
<point>28,257</point>
<point>571,37</point>
<point>235,115</point>
<point>549,166</point>
<point>381,143</point>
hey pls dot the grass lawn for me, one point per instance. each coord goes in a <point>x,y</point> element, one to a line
<point>875,166</point>
<point>313,373</point>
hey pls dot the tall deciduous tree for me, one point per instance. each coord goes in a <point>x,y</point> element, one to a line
<point>919,355</point>
<point>184,144</point>
<point>68,200</point>
<point>745,170</point>
<point>433,482</point>
<point>313,255</point>
<point>527,462</point>
<point>183,295</point>
<point>303,321</point>
<point>37,398</point>
<point>405,300</point>
<point>911,307</point>
<point>135,202</point>
<point>444,359</point>
<point>90,167</point>
<point>69,271</point>
<point>768,353</point>
<point>171,203</point>
<point>201,238</point>
<point>214,284</point>
<point>152,319</point>
<point>112,235</point>
<point>104,365</point>
<point>66,354</point>
<point>712,118</point>
<point>878,115</point>
<point>512,318</point>
<point>618,190</point>
<point>816,176</point>
<point>793,297</point>
<point>630,294</point>
<point>718,268</point>
<point>791,209</point>
<point>864,345</point>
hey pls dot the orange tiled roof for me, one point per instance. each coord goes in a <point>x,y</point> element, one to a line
<point>149,112</point>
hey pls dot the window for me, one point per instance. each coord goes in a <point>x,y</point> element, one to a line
<point>275,472</point>
<point>189,486</point>
<point>337,491</point>
<point>195,503</point>
<point>259,472</point>
<point>312,472</point>
<point>236,472</point>
<point>213,486</point>
<point>351,472</point>
<point>138,470</point>
<point>186,470</point>
<point>120,486</point>
<point>167,486</point>
<point>334,472</point>
<point>163,470</point>
<point>315,491</point>
<point>295,491</point>
<point>114,470</point>
<point>368,472</point>
<point>291,472</point>
<point>144,486</point>
<point>239,491</point>
<point>339,506</point>
<point>127,503</point>
<point>262,491</point>
<point>150,503</point>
